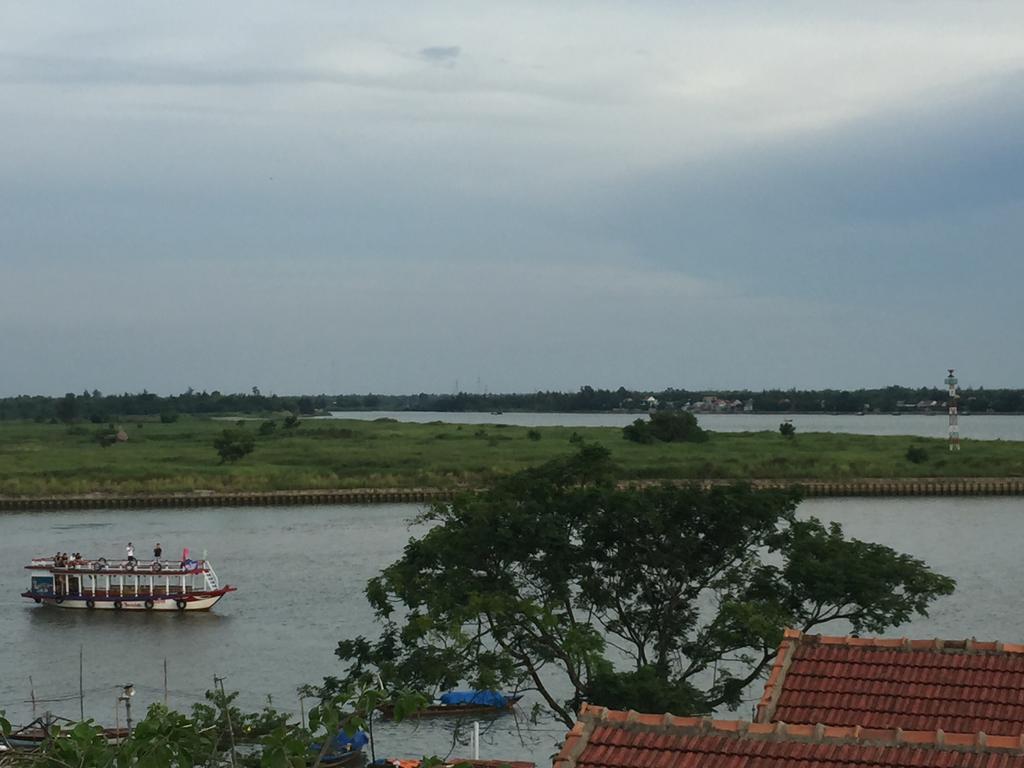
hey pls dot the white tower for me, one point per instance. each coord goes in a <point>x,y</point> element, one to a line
<point>954,416</point>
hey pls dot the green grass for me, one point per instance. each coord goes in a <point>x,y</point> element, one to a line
<point>50,459</point>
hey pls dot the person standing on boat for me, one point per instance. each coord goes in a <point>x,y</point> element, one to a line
<point>157,551</point>
<point>130,549</point>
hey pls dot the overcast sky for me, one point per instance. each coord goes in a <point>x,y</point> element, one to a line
<point>398,197</point>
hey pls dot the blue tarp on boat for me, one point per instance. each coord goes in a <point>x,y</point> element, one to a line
<point>479,698</point>
<point>344,743</point>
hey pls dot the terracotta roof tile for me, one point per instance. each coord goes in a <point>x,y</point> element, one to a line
<point>956,685</point>
<point>611,739</point>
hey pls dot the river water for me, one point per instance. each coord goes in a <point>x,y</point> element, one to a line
<point>301,572</point>
<point>972,427</point>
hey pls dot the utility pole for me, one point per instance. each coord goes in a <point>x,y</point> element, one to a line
<point>127,691</point>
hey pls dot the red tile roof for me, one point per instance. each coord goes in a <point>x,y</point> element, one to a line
<point>605,738</point>
<point>960,686</point>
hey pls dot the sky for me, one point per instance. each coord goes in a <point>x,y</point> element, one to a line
<point>403,197</point>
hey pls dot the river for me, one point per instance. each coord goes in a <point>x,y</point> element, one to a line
<point>972,427</point>
<point>301,572</point>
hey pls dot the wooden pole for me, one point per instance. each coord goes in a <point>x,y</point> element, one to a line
<point>81,686</point>
<point>165,681</point>
<point>227,715</point>
<point>32,690</point>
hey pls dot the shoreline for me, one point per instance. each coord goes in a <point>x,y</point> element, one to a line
<point>875,487</point>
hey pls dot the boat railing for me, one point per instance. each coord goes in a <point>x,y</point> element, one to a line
<point>100,564</point>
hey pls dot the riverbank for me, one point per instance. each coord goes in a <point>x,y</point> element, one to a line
<point>46,461</point>
<point>991,486</point>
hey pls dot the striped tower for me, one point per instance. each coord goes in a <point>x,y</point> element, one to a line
<point>954,416</point>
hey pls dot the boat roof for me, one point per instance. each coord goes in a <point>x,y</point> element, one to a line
<point>117,565</point>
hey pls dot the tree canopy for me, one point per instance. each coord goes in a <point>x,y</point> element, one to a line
<point>558,581</point>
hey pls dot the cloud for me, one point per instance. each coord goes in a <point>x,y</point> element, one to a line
<point>441,54</point>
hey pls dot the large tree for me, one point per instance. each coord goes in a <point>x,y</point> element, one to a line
<point>558,581</point>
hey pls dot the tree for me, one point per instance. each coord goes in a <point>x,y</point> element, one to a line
<point>67,408</point>
<point>557,580</point>
<point>787,429</point>
<point>234,444</point>
<point>666,426</point>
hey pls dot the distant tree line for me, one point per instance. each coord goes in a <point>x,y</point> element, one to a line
<point>100,408</point>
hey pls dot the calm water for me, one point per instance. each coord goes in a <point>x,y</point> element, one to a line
<point>301,572</point>
<point>977,427</point>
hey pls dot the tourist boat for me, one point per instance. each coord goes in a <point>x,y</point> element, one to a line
<point>131,585</point>
<point>464,703</point>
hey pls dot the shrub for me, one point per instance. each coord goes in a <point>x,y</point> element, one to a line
<point>291,421</point>
<point>575,437</point>
<point>916,454</point>
<point>268,427</point>
<point>234,444</point>
<point>168,417</point>
<point>666,426</point>
<point>533,434</point>
<point>786,429</point>
<point>639,432</point>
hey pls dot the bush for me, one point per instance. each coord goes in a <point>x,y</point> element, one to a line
<point>666,426</point>
<point>291,421</point>
<point>916,454</point>
<point>234,444</point>
<point>575,437</point>
<point>786,429</point>
<point>168,417</point>
<point>639,432</point>
<point>268,427</point>
<point>533,434</point>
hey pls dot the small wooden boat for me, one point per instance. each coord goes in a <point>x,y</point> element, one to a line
<point>130,585</point>
<point>464,704</point>
<point>33,735</point>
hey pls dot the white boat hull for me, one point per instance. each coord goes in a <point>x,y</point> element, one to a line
<point>132,604</point>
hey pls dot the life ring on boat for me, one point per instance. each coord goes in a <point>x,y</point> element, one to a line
<point>130,565</point>
<point>181,605</point>
<point>157,566</point>
<point>117,604</point>
<point>90,603</point>
<point>37,599</point>
<point>58,600</point>
<point>148,604</point>
<point>101,564</point>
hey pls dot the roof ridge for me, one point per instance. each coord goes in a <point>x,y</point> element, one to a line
<point>592,717</point>
<point>969,645</point>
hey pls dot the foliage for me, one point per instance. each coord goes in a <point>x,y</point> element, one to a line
<point>916,454</point>
<point>787,429</point>
<point>268,427</point>
<point>533,434</point>
<point>556,575</point>
<point>666,426</point>
<point>234,444</point>
<point>168,739</point>
<point>168,416</point>
<point>638,432</point>
<point>291,421</point>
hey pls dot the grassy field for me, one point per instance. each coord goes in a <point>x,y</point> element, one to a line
<point>50,459</point>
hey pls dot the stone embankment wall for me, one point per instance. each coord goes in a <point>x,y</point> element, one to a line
<point>812,488</point>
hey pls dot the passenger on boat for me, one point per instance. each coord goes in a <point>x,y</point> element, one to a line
<point>157,551</point>
<point>130,549</point>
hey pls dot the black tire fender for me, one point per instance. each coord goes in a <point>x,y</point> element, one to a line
<point>58,600</point>
<point>90,603</point>
<point>117,604</point>
<point>181,605</point>
<point>158,566</point>
<point>37,599</point>
<point>149,604</point>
